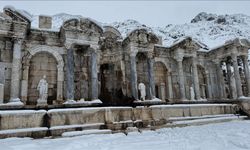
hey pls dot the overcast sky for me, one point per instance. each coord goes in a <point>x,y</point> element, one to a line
<point>152,13</point>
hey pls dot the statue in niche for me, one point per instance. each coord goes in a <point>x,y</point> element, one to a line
<point>191,93</point>
<point>43,91</point>
<point>142,89</point>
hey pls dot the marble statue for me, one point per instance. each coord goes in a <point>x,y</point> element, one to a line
<point>142,89</point>
<point>191,93</point>
<point>43,91</point>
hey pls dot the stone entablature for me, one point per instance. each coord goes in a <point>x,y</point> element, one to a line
<point>85,60</point>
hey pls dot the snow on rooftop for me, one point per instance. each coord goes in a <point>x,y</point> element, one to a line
<point>21,12</point>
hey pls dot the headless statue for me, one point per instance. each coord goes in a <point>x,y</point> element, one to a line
<point>142,89</point>
<point>192,93</point>
<point>43,91</point>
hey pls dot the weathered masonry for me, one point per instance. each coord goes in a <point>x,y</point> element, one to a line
<point>85,60</point>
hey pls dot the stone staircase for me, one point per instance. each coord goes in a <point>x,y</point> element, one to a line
<point>104,120</point>
<point>201,120</point>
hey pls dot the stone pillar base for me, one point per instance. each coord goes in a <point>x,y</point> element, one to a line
<point>70,101</point>
<point>13,100</point>
<point>41,102</point>
<point>96,101</point>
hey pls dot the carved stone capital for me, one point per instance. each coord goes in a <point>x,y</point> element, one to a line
<point>17,40</point>
<point>133,54</point>
<point>150,54</point>
<point>179,58</point>
<point>234,56</point>
<point>68,45</point>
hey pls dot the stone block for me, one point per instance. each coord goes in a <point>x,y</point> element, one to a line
<point>142,113</point>
<point>206,111</point>
<point>45,22</point>
<point>195,111</point>
<point>17,119</point>
<point>117,114</point>
<point>75,116</point>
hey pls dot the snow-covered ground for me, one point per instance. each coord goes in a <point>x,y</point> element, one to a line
<point>223,136</point>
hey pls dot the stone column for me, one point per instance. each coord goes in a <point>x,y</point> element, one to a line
<point>220,80</point>
<point>24,84</point>
<point>181,79</point>
<point>231,82</point>
<point>170,88</point>
<point>151,79</point>
<point>237,76</point>
<point>16,71</point>
<point>247,75</point>
<point>2,81</point>
<point>1,93</point>
<point>133,76</point>
<point>196,79</point>
<point>209,90</point>
<point>70,86</point>
<point>162,91</point>
<point>60,78</point>
<point>94,79</point>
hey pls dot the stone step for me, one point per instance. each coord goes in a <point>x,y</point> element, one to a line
<point>86,132</point>
<point>171,119</point>
<point>59,130</point>
<point>203,121</point>
<point>38,132</point>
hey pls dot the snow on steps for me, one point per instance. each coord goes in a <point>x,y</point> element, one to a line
<point>201,120</point>
<point>86,132</point>
<point>59,130</point>
<point>38,132</point>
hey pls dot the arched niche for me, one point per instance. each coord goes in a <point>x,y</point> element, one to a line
<point>44,53</point>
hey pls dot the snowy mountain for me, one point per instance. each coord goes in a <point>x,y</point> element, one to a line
<point>210,29</point>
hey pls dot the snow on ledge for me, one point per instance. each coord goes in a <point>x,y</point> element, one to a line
<point>86,132</point>
<point>18,112</point>
<point>23,130</point>
<point>18,103</point>
<point>75,126</point>
<point>82,101</point>
<point>192,105</point>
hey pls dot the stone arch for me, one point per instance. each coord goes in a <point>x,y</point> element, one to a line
<point>162,60</point>
<point>47,49</point>
<point>60,73</point>
<point>142,71</point>
<point>163,82</point>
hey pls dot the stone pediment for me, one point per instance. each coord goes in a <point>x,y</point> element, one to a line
<point>142,37</point>
<point>17,15</point>
<point>85,25</point>
<point>4,16</point>
<point>187,43</point>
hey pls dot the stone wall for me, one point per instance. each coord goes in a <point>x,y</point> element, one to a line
<point>57,121</point>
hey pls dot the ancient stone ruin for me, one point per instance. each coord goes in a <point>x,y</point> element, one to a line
<point>86,62</point>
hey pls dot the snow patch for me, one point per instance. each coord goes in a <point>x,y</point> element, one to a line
<point>221,136</point>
